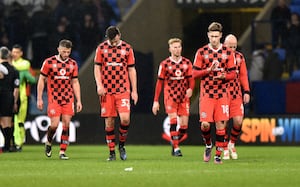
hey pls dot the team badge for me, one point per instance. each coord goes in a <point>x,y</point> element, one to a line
<point>224,56</point>
<point>52,111</point>
<point>123,52</point>
<point>103,110</point>
<point>203,115</point>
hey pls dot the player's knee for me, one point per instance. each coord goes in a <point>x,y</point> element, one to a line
<point>125,121</point>
<point>205,125</point>
<point>238,121</point>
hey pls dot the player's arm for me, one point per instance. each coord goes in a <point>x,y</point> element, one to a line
<point>77,93</point>
<point>133,82</point>
<point>132,76</point>
<point>3,69</point>
<point>97,73</point>
<point>189,91</point>
<point>231,73</point>
<point>198,71</point>
<point>40,89</point>
<point>16,90</point>
<point>244,82</point>
<point>191,81</point>
<point>158,88</point>
<point>28,76</point>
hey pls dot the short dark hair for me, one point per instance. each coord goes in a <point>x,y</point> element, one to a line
<point>18,46</point>
<point>215,26</point>
<point>65,43</point>
<point>112,32</point>
<point>4,53</point>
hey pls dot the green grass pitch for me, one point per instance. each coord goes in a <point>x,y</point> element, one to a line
<point>152,166</point>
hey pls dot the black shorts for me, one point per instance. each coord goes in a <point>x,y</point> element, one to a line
<point>6,104</point>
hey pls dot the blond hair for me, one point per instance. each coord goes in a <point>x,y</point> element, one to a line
<point>174,40</point>
<point>215,26</point>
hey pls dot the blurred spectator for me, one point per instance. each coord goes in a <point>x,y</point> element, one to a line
<point>293,44</point>
<point>274,64</point>
<point>69,12</point>
<point>256,71</point>
<point>58,34</point>
<point>89,7</point>
<point>295,76</point>
<point>3,34</point>
<point>90,36</point>
<point>45,26</point>
<point>124,6</point>
<point>280,16</point>
<point>4,41</point>
<point>106,15</point>
<point>39,25</point>
<point>17,25</point>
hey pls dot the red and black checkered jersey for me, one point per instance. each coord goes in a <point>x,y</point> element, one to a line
<point>204,58</point>
<point>175,76</point>
<point>236,85</point>
<point>114,62</point>
<point>59,76</point>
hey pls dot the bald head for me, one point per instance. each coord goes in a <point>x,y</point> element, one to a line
<point>231,42</point>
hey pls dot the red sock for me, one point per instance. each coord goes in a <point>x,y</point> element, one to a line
<point>182,133</point>
<point>123,132</point>
<point>110,138</point>
<point>235,132</point>
<point>220,144</point>
<point>206,135</point>
<point>64,139</point>
<point>174,132</point>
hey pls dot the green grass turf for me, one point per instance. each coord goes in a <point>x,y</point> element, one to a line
<point>152,166</point>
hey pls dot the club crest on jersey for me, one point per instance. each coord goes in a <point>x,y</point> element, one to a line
<point>52,111</point>
<point>123,52</point>
<point>54,65</point>
<point>103,110</point>
<point>224,56</point>
<point>169,107</point>
<point>185,66</point>
<point>203,115</point>
<point>238,60</point>
<point>105,51</point>
<point>206,56</point>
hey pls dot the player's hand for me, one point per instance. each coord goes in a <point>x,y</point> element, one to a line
<point>40,104</point>
<point>246,98</point>
<point>78,106</point>
<point>220,76</point>
<point>134,97</point>
<point>213,67</point>
<point>101,90</point>
<point>189,93</point>
<point>155,107</point>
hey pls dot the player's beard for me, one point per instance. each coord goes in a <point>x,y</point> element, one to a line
<point>63,58</point>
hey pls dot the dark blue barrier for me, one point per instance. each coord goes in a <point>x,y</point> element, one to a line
<point>269,97</point>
